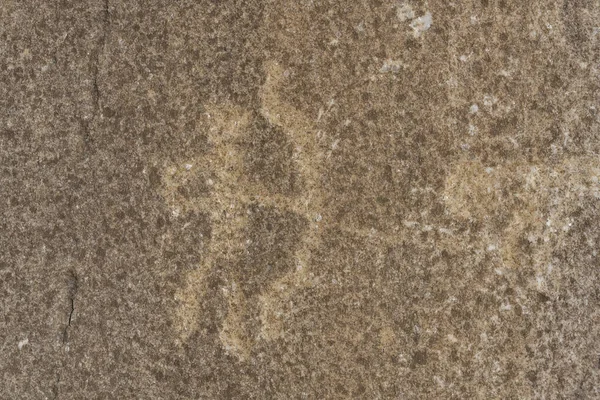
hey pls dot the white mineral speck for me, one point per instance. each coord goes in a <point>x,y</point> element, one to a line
<point>404,12</point>
<point>22,343</point>
<point>489,100</point>
<point>472,129</point>
<point>391,66</point>
<point>539,281</point>
<point>474,108</point>
<point>421,24</point>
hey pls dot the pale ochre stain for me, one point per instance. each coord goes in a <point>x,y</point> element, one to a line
<point>518,191</point>
<point>188,297</point>
<point>226,205</point>
<point>387,340</point>
<point>302,132</point>
<point>308,156</point>
<point>535,200</point>
<point>230,194</point>
<point>276,299</point>
<point>234,335</point>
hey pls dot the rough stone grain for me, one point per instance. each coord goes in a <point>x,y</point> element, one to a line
<point>299,199</point>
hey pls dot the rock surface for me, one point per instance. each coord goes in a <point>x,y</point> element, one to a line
<point>299,199</point>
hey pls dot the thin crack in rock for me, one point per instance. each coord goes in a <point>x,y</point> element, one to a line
<point>95,91</point>
<point>96,94</point>
<point>73,287</point>
<point>55,387</point>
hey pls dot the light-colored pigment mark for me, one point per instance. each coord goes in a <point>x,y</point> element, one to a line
<point>229,195</point>
<point>274,302</point>
<point>228,198</point>
<point>308,156</point>
<point>224,205</point>
<point>387,339</point>
<point>188,312</point>
<point>301,131</point>
<point>234,335</point>
<point>227,123</point>
<point>532,204</point>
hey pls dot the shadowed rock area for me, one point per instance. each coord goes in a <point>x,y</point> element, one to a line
<point>277,199</point>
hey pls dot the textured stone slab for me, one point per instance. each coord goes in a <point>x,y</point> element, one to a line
<point>299,199</point>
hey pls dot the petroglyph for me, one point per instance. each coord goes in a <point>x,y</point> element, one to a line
<point>228,196</point>
<point>223,204</point>
<point>531,205</point>
<point>308,156</point>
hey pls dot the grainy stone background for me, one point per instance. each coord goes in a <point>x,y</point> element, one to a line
<point>259,199</point>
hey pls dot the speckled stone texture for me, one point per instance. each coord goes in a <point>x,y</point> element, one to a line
<point>299,199</point>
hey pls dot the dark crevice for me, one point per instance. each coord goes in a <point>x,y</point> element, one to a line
<point>86,125</point>
<point>95,90</point>
<point>55,387</point>
<point>73,285</point>
<point>96,93</point>
<point>73,280</point>
<point>72,309</point>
